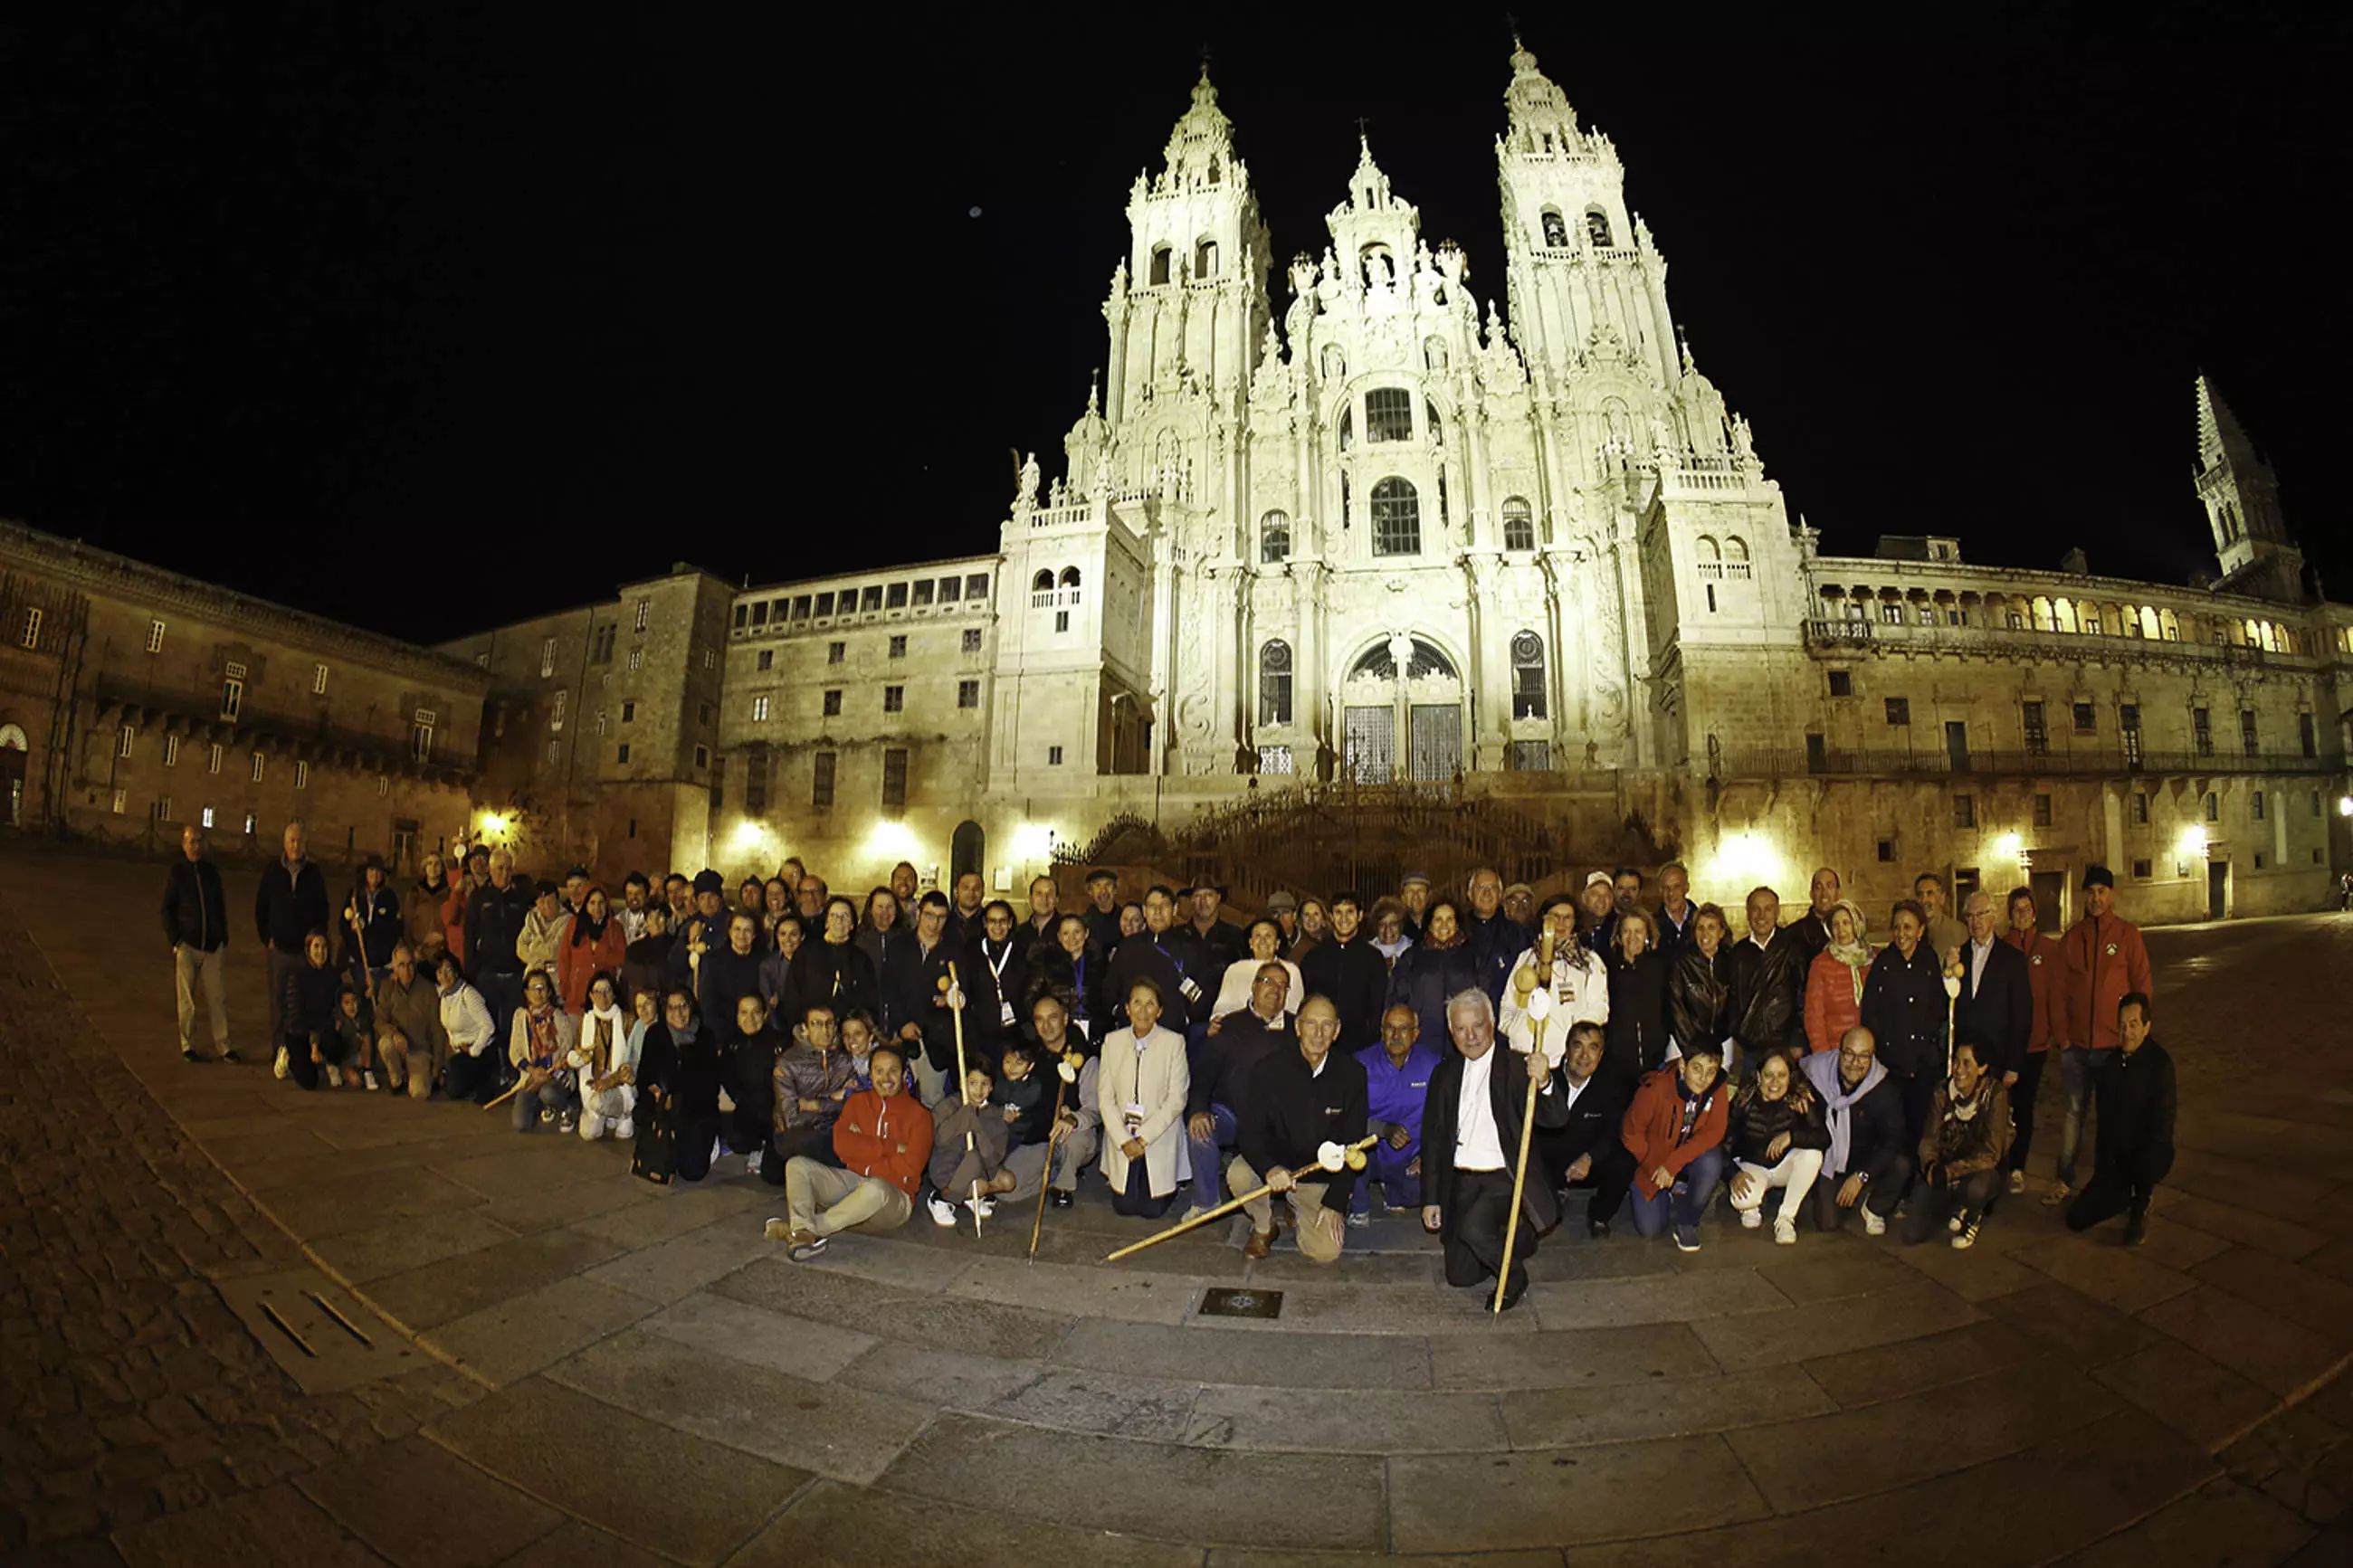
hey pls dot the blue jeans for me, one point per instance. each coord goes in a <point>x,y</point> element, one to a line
<point>1688,1197</point>
<point>1206,1162</point>
<point>1386,1166</point>
<point>2078,1065</point>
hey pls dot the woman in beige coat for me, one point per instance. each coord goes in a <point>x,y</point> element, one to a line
<point>1141,1091</point>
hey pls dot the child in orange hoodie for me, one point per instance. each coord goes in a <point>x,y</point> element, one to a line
<point>1676,1129</point>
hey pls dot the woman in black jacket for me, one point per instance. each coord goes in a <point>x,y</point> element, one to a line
<point>1776,1140</point>
<point>1071,972</point>
<point>311,1049</point>
<point>835,971</point>
<point>1904,1007</point>
<point>1438,967</point>
<point>681,1070</point>
<point>1636,1030</point>
<point>1699,990</point>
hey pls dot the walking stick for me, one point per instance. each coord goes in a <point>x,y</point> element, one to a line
<point>1537,1004</point>
<point>1064,1074</point>
<point>1351,1155</point>
<point>955,1009</point>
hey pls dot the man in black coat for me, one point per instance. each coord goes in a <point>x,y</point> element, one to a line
<point>290,904</point>
<point>1586,1150</point>
<point>1767,977</point>
<point>1869,1161</point>
<point>195,922</point>
<point>1995,1010</point>
<point>494,918</point>
<point>1220,936</point>
<point>1174,959</point>
<point>2134,1095</point>
<point>1346,967</point>
<point>1297,1102</point>
<point>1469,1140</point>
<point>1228,1053</point>
<point>915,1000</point>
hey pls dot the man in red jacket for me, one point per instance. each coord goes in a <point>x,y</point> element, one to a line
<point>2043,962</point>
<point>1675,1132</point>
<point>882,1140</point>
<point>2103,961</point>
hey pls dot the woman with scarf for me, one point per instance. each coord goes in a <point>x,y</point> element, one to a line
<point>1387,923</point>
<point>420,910</point>
<point>681,1073</point>
<point>1834,983</point>
<point>595,945</point>
<point>1425,976</point>
<point>1071,971</point>
<point>1675,1130</point>
<point>539,1046</point>
<point>1866,1162</point>
<point>1699,986</point>
<point>1265,940</point>
<point>1962,1152</point>
<point>836,969</point>
<point>605,1056</point>
<point>1636,1030</point>
<point>1776,1139</point>
<point>786,936</point>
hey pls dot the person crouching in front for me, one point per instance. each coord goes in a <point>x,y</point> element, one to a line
<point>1675,1130</point>
<point>882,1139</point>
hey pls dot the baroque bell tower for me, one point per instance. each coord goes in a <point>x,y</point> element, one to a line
<point>2241,497</point>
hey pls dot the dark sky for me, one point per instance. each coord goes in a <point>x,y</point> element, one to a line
<point>445,314</point>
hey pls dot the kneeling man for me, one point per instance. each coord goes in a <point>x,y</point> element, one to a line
<point>1297,1102</point>
<point>1469,1137</point>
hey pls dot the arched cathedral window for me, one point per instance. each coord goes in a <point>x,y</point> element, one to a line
<point>1274,537</point>
<point>1042,584</point>
<point>1527,676</point>
<point>1597,228</point>
<point>1555,230</point>
<point>1347,426</point>
<point>1160,264</point>
<point>1070,576</point>
<point>1274,683</point>
<point>1388,414</point>
<point>1397,518</point>
<point>1432,422</point>
<point>1205,258</point>
<point>1519,524</point>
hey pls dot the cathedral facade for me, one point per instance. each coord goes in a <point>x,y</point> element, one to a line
<point>1339,519</point>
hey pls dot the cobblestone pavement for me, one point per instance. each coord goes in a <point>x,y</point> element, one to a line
<point>133,1390</point>
<point>632,1376</point>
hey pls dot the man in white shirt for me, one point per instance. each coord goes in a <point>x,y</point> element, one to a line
<point>1470,1139</point>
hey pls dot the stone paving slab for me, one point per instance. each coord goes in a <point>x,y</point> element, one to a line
<point>578,1545</point>
<point>521,1334</point>
<point>275,1526</point>
<point>1589,1358</point>
<point>421,1506</point>
<point>1905,1367</point>
<point>1895,1444</point>
<point>801,1347</point>
<point>1668,1407</point>
<point>401,1245</point>
<point>1976,1276</point>
<point>888,1262</point>
<point>834,1526</point>
<point>2218,1523</point>
<point>954,1380</point>
<point>780,1285</point>
<point>1155,1489</point>
<point>2094,1264</point>
<point>1566,1497</point>
<point>1073,1400</point>
<point>667,1270</point>
<point>1279,1360</point>
<point>1852,1271</point>
<point>2205,1402</point>
<point>1351,1421</point>
<point>2273,1353</point>
<point>1163,1298</point>
<point>2074,1327</point>
<point>679,1495</point>
<point>677,1211</point>
<point>824,1427</point>
<point>2311,1300</point>
<point>1859,1322</point>
<point>340,1204</point>
<point>1670,1297</point>
<point>436,1293</point>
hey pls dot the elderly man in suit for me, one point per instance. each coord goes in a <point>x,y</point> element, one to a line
<point>1469,1136</point>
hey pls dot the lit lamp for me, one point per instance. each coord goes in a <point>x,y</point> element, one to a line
<point>2345,805</point>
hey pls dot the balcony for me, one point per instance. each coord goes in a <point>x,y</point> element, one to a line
<point>2080,762</point>
<point>1848,635</point>
<point>196,716</point>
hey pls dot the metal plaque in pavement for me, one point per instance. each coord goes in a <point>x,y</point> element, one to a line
<point>1225,1302</point>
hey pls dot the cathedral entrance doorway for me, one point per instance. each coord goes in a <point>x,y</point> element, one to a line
<point>1401,715</point>
<point>968,848</point>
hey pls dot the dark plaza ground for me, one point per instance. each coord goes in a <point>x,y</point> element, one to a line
<point>571,1367</point>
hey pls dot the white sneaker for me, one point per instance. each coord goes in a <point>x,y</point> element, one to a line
<point>1871,1224</point>
<point>752,1163</point>
<point>941,1215</point>
<point>334,1076</point>
<point>1785,1231</point>
<point>1191,1214</point>
<point>280,1068</point>
<point>1966,1237</point>
<point>368,1078</point>
<point>2018,1181</point>
<point>625,1127</point>
<point>987,1207</point>
<point>1751,1218</point>
<point>1954,1224</point>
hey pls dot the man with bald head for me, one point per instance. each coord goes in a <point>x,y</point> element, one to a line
<point>1813,928</point>
<point>1768,986</point>
<point>1299,1102</point>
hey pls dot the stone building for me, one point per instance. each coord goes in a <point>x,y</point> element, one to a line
<point>133,700</point>
<point>597,738</point>
<point>1352,527</point>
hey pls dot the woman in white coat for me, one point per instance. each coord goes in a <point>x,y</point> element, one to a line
<point>606,1058</point>
<point>1141,1092</point>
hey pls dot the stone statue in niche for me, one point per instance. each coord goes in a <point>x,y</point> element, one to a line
<point>1025,481</point>
<point>1663,437</point>
<point>1743,443</point>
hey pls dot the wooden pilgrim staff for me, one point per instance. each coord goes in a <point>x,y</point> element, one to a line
<point>1331,1157</point>
<point>955,990</point>
<point>1065,1074</point>
<point>1536,1002</point>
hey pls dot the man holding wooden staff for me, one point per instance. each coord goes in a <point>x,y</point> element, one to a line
<point>1298,1101</point>
<point>1469,1133</point>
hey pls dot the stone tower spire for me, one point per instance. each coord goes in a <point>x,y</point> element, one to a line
<point>2241,498</point>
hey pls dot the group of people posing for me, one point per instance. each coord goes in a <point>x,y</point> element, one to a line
<point>943,1050</point>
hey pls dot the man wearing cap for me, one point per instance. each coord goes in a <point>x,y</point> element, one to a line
<point>1413,892</point>
<point>1597,903</point>
<point>1102,913</point>
<point>704,931</point>
<point>1520,905</point>
<point>1284,910</point>
<point>1222,937</point>
<point>2102,961</point>
<point>1302,1105</point>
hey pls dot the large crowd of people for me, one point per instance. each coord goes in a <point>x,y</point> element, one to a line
<point>945,1051</point>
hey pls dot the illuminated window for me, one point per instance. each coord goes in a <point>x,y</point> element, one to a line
<point>548,657</point>
<point>759,710</point>
<point>1388,414</point>
<point>318,679</point>
<point>1274,683</point>
<point>171,751</point>
<point>155,636</point>
<point>123,738</point>
<point>302,776</point>
<point>1527,676</point>
<point>1397,518</point>
<point>1519,524</point>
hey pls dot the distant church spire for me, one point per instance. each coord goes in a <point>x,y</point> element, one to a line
<point>2241,498</point>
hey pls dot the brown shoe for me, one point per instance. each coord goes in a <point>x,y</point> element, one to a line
<point>1260,1243</point>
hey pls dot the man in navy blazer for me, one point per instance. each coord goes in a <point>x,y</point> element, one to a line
<point>1996,1008</point>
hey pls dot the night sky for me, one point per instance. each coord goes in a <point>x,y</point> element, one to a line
<point>441,316</point>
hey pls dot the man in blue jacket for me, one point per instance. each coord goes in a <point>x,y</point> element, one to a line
<point>1397,1083</point>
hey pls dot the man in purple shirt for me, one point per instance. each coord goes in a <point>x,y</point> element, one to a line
<point>1396,1081</point>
